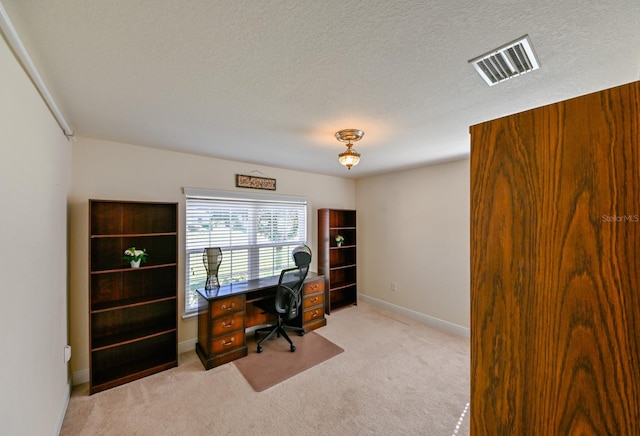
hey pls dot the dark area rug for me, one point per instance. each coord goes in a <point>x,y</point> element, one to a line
<point>277,363</point>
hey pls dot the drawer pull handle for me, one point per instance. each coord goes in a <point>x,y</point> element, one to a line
<point>231,306</point>
<point>314,286</point>
<point>229,342</point>
<point>227,325</point>
<point>314,314</point>
<point>314,299</point>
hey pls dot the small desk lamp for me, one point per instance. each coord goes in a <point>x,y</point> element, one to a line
<point>212,258</point>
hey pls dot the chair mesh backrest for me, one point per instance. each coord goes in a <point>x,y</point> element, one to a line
<point>289,293</point>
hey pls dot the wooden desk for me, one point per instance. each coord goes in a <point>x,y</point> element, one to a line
<point>225,313</point>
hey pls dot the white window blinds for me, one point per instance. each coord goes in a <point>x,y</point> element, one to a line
<point>256,235</point>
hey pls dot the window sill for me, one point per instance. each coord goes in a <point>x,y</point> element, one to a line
<point>190,315</point>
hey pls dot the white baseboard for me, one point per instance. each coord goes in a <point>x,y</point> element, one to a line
<point>188,345</point>
<point>82,376</point>
<point>429,320</point>
<point>65,405</point>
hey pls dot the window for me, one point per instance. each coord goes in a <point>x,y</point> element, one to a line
<point>255,232</point>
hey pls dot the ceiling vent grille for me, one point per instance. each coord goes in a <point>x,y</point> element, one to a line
<point>503,63</point>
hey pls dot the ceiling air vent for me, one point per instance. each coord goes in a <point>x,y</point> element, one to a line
<point>503,63</point>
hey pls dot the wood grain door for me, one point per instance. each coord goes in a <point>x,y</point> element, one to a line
<point>555,269</point>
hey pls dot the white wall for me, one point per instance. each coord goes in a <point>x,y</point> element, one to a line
<point>35,167</point>
<point>109,170</point>
<point>413,229</point>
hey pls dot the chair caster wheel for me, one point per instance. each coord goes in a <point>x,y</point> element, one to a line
<point>293,348</point>
<point>301,333</point>
<point>259,349</point>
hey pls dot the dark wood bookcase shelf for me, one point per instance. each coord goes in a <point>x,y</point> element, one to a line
<point>133,328</point>
<point>338,263</point>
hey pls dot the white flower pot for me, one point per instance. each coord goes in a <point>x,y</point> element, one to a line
<point>135,263</point>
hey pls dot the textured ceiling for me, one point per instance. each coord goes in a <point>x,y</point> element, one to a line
<point>270,82</point>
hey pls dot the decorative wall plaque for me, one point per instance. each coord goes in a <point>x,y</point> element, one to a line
<point>253,182</point>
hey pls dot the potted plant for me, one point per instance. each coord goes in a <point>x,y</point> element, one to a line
<point>339,240</point>
<point>135,256</point>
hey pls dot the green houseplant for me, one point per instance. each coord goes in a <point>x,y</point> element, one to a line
<point>135,256</point>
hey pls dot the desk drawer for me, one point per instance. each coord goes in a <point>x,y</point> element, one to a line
<point>313,287</point>
<point>226,343</point>
<point>227,324</point>
<point>313,300</point>
<point>313,314</point>
<point>227,306</point>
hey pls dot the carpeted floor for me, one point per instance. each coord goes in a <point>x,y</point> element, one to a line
<point>395,376</point>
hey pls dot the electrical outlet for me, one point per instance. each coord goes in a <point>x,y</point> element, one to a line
<point>394,287</point>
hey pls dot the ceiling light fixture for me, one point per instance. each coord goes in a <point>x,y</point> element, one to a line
<point>349,157</point>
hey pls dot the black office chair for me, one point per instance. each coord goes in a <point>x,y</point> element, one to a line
<point>288,300</point>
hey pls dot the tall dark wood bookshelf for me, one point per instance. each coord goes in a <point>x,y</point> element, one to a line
<point>338,263</point>
<point>133,329</point>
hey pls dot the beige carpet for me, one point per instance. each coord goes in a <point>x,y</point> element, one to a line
<point>277,363</point>
<point>396,376</point>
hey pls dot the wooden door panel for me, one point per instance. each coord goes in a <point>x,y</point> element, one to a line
<point>555,315</point>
